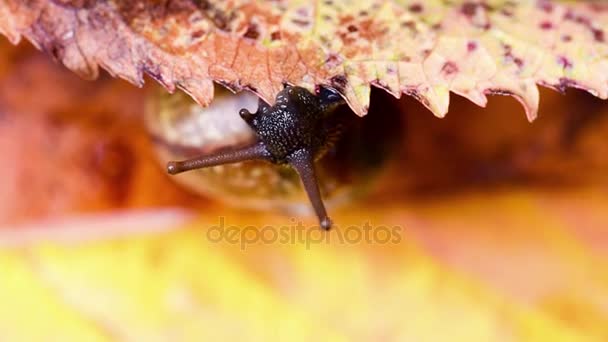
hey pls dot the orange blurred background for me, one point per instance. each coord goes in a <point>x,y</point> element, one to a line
<point>503,228</point>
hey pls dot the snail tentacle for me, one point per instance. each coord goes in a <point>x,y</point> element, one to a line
<point>303,162</point>
<point>252,152</point>
<point>246,115</point>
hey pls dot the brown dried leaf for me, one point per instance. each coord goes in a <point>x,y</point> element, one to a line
<point>422,48</point>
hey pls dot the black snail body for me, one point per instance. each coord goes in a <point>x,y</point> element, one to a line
<point>296,131</point>
<point>351,154</point>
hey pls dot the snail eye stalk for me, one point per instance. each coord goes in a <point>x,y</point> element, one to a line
<point>303,163</point>
<point>295,132</point>
<point>253,152</point>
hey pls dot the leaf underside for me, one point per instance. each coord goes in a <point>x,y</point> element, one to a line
<point>426,49</point>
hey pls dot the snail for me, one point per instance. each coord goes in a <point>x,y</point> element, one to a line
<point>304,147</point>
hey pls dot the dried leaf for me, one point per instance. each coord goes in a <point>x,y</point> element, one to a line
<point>424,49</point>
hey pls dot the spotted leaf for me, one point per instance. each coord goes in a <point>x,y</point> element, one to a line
<point>426,49</point>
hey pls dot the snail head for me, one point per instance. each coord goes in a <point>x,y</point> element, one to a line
<point>295,131</point>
